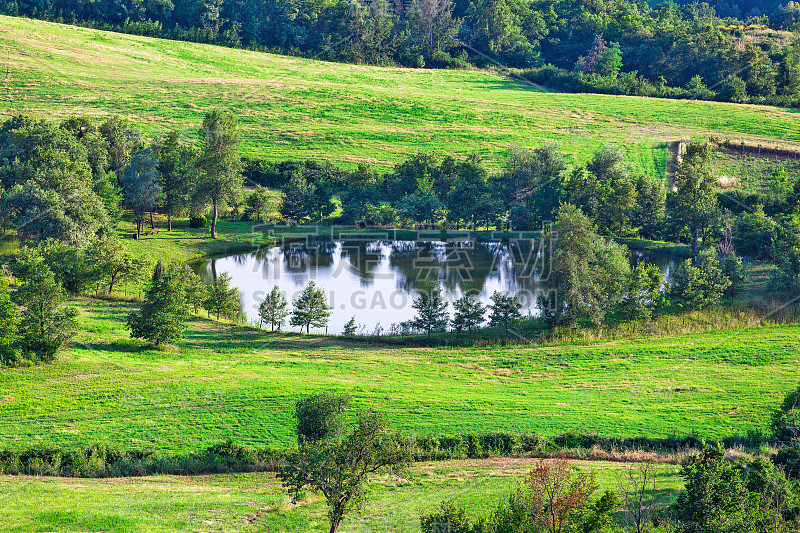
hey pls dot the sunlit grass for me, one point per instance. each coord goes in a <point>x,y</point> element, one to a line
<point>292,108</point>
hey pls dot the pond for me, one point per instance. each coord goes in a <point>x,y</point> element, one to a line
<point>376,281</point>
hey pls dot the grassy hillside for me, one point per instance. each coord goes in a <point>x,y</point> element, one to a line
<point>228,381</point>
<point>298,108</point>
<point>256,502</point>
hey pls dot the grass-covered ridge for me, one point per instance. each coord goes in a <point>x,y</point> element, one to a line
<point>299,108</point>
<point>226,381</point>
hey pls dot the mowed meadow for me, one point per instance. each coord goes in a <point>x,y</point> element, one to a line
<point>226,381</point>
<point>292,108</point>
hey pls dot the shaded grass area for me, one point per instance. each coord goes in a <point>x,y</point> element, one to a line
<point>293,108</point>
<point>225,381</point>
<point>256,502</point>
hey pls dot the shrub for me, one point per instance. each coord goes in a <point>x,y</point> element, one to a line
<point>198,222</point>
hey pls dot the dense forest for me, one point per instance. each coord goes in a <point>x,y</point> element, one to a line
<point>618,47</point>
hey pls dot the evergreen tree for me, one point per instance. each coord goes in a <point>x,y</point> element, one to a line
<point>273,310</point>
<point>431,307</point>
<point>222,299</point>
<point>350,328</point>
<point>47,323</point>
<point>469,314</point>
<point>159,319</point>
<point>504,311</point>
<point>310,308</point>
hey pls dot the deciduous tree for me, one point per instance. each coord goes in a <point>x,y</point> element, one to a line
<point>220,162</point>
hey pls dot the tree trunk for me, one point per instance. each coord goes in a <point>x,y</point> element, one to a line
<point>138,229</point>
<point>214,221</point>
<point>694,239</point>
<point>169,222</point>
<point>152,224</point>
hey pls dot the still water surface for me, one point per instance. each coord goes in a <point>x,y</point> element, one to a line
<point>377,281</point>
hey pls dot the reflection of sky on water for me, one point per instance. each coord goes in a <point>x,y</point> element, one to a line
<point>377,281</point>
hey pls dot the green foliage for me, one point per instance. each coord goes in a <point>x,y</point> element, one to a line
<point>642,292</point>
<point>449,517</point>
<point>716,499</point>
<point>700,282</point>
<point>198,222</point>
<point>469,313</point>
<point>754,234</point>
<point>222,299</point>
<point>9,324</point>
<point>588,272</point>
<point>260,205</point>
<point>534,179</point>
<point>46,324</point>
<point>48,180</point>
<point>786,420</point>
<point>504,311</point>
<point>273,310</point>
<point>733,269</point>
<point>140,186</point>
<point>160,318</point>
<point>220,162</point>
<point>111,263</point>
<point>695,199</point>
<point>177,175</point>
<point>339,468</point>
<point>310,308</point>
<point>320,417</point>
<point>350,327</point>
<point>431,307</point>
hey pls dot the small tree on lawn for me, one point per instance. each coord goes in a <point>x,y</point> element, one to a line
<point>159,320</point>
<point>340,463</point>
<point>504,311</point>
<point>432,314</point>
<point>222,300</point>
<point>350,328</point>
<point>311,308</point>
<point>273,310</point>
<point>469,314</point>
<point>112,263</point>
<point>46,322</point>
<point>195,289</point>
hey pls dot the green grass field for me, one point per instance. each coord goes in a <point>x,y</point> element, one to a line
<point>231,381</point>
<point>752,171</point>
<point>293,108</point>
<point>256,502</point>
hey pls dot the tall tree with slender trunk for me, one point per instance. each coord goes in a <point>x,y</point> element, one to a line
<point>220,162</point>
<point>695,195</point>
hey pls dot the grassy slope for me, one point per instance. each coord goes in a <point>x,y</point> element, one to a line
<point>292,107</point>
<point>256,503</point>
<point>228,381</point>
